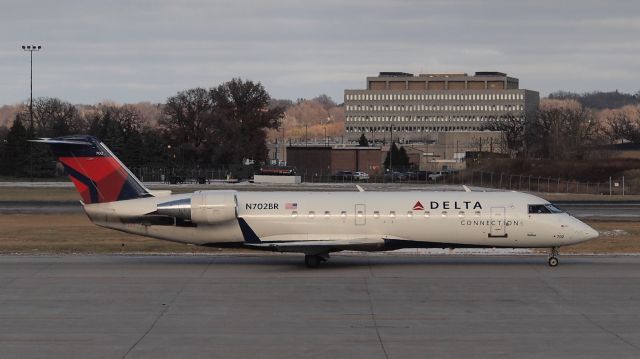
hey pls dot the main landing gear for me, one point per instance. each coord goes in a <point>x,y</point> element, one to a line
<point>553,257</point>
<point>314,260</point>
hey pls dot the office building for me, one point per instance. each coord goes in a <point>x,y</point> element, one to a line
<point>415,108</point>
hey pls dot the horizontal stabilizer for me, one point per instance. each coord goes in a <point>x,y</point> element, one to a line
<point>52,141</point>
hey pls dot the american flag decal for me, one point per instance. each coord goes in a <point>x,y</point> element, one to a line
<point>290,205</point>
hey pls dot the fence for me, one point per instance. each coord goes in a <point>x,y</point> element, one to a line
<point>614,186</point>
<point>174,175</point>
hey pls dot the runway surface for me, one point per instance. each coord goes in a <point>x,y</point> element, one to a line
<point>365,306</point>
<point>602,210</point>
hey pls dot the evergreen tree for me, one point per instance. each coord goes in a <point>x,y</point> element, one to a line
<point>15,159</point>
<point>403,159</point>
<point>397,159</point>
<point>363,142</point>
<point>391,157</point>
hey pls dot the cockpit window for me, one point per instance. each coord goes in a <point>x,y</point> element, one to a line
<point>538,208</point>
<point>543,208</point>
<point>553,208</point>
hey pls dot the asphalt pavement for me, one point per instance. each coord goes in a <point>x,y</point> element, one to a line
<point>364,306</point>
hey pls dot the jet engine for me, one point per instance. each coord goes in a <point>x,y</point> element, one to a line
<point>202,207</point>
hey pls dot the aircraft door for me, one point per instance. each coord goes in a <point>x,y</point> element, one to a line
<point>497,222</point>
<point>361,214</point>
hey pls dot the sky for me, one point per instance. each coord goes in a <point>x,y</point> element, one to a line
<point>131,51</point>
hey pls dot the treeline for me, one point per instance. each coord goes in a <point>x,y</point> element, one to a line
<point>566,131</point>
<point>310,120</point>
<point>216,127</point>
<point>599,100</point>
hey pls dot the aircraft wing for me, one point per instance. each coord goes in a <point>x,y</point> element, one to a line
<point>321,246</point>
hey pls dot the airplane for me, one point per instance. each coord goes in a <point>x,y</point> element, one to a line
<point>313,223</point>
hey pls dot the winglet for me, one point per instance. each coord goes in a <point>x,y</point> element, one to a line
<point>360,189</point>
<point>466,189</point>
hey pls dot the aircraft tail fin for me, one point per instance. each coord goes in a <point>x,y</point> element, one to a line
<point>96,172</point>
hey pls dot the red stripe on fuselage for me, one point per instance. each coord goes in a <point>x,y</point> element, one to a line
<point>106,172</point>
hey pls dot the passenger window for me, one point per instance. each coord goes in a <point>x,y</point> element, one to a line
<point>294,214</point>
<point>343,214</point>
<point>444,214</point>
<point>410,214</point>
<point>427,214</point>
<point>312,214</point>
<point>477,213</point>
<point>392,214</point>
<point>376,214</point>
<point>360,214</point>
<point>327,214</point>
<point>461,214</point>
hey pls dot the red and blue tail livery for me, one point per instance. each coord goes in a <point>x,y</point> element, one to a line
<point>95,171</point>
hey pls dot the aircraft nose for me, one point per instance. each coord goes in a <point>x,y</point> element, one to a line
<point>586,232</point>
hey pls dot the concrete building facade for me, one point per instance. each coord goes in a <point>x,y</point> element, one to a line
<point>448,151</point>
<point>413,108</point>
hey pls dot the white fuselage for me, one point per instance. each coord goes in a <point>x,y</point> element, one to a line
<point>499,219</point>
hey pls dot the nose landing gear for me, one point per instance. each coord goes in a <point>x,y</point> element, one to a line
<point>553,257</point>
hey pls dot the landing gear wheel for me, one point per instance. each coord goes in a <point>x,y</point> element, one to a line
<point>553,257</point>
<point>312,261</point>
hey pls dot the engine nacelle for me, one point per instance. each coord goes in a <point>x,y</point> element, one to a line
<point>203,207</point>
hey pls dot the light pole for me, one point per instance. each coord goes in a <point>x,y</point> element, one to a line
<point>326,139</point>
<point>326,142</point>
<point>31,49</point>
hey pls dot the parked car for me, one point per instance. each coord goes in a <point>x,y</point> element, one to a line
<point>417,175</point>
<point>395,176</point>
<point>360,176</point>
<point>437,175</point>
<point>343,176</point>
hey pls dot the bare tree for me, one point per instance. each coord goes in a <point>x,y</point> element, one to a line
<point>561,133</point>
<point>618,126</point>
<point>54,117</point>
<point>242,111</point>
<point>187,116</point>
<point>513,133</point>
